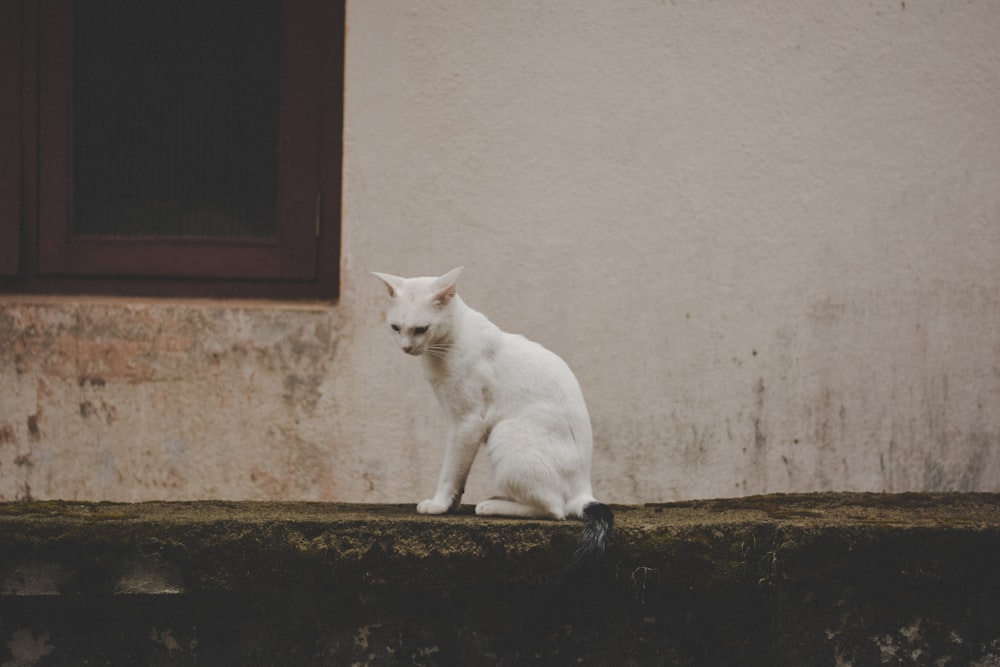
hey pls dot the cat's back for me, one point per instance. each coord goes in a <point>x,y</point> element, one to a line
<point>512,362</point>
<point>532,372</point>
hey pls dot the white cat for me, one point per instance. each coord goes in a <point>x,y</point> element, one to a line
<point>505,393</point>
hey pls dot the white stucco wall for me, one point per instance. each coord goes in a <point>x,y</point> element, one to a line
<point>765,235</point>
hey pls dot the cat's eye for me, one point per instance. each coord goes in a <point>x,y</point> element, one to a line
<point>419,331</point>
<point>395,327</point>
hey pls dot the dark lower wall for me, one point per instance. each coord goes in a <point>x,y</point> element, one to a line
<point>770,580</point>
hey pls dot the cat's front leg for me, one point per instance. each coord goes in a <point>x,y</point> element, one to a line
<point>463,443</point>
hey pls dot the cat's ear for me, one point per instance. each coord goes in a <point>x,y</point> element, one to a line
<point>392,283</point>
<point>445,287</point>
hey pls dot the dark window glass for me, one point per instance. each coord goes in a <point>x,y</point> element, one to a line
<point>175,118</point>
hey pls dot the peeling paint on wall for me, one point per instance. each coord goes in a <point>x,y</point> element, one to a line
<point>144,401</point>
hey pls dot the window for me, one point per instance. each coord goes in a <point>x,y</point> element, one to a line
<point>190,147</point>
<point>10,123</point>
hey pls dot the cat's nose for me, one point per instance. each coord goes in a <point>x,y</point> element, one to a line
<point>407,348</point>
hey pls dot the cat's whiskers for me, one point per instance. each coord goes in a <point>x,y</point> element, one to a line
<point>436,350</point>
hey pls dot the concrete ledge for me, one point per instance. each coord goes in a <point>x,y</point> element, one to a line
<point>774,580</point>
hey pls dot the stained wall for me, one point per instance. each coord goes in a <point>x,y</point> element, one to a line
<point>766,236</point>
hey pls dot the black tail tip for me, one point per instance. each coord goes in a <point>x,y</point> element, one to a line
<point>598,522</point>
<point>600,513</point>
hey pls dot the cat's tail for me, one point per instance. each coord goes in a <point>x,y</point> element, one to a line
<point>598,522</point>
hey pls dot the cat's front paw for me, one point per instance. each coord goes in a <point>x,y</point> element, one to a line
<point>432,506</point>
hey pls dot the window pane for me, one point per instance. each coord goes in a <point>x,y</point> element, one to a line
<point>175,118</point>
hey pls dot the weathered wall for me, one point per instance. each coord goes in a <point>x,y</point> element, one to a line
<point>765,235</point>
<point>106,399</point>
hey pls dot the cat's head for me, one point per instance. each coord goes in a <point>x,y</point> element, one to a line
<point>419,316</point>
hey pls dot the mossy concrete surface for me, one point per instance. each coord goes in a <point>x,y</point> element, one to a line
<point>826,579</point>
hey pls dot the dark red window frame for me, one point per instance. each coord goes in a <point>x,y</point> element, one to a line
<point>10,141</point>
<point>37,248</point>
